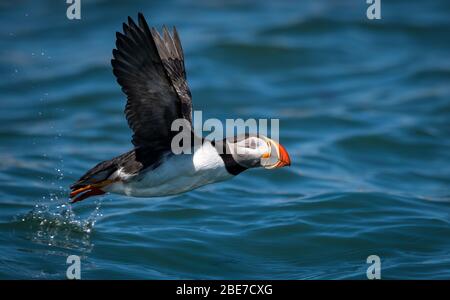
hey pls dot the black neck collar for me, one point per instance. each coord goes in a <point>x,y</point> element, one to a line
<point>230,164</point>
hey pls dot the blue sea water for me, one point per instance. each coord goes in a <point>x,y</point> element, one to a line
<point>364,109</point>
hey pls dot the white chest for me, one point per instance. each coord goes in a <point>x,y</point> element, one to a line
<point>178,174</point>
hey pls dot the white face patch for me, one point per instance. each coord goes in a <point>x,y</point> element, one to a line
<point>251,146</point>
<point>270,160</point>
<point>248,152</point>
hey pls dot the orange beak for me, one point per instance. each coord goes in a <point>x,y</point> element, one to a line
<point>284,159</point>
<point>277,157</point>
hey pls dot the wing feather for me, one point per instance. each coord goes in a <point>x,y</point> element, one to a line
<point>171,53</point>
<point>150,70</point>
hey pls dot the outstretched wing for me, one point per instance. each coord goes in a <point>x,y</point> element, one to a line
<point>154,80</point>
<point>171,53</point>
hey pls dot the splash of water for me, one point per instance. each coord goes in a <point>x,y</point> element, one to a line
<point>59,226</point>
<point>53,222</point>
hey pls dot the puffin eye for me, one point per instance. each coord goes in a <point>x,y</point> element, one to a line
<point>252,144</point>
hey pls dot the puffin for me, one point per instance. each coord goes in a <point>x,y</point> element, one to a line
<point>150,69</point>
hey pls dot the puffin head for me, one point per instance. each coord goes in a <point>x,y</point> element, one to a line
<point>252,151</point>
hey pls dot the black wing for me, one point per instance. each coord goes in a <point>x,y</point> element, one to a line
<point>152,75</point>
<point>171,53</point>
